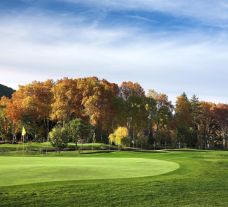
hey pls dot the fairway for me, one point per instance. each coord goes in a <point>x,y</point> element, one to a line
<point>26,170</point>
<point>119,179</point>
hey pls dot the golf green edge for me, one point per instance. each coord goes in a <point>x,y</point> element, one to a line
<point>27,170</point>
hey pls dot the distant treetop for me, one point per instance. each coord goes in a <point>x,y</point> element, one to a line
<point>6,91</point>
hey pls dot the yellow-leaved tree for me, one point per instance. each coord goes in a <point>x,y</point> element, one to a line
<point>118,136</point>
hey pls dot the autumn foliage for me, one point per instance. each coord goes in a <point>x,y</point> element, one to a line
<point>147,120</point>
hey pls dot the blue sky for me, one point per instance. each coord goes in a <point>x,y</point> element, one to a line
<point>170,46</point>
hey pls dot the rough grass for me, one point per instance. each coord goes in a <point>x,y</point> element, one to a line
<point>201,180</point>
<point>46,146</point>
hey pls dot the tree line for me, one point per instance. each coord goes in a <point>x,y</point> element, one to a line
<point>95,110</point>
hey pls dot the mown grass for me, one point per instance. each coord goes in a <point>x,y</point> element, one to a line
<point>25,170</point>
<point>201,180</point>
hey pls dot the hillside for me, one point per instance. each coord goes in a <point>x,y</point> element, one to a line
<point>5,91</point>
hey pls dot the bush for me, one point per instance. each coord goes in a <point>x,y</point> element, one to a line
<point>59,137</point>
<point>73,131</point>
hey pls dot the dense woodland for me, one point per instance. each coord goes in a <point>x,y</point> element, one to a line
<point>99,111</point>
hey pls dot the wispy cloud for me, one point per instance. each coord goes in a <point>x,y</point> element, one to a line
<point>45,45</point>
<point>203,10</point>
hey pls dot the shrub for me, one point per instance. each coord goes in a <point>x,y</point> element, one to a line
<point>59,137</point>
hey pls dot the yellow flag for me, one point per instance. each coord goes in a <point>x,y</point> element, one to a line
<point>23,131</point>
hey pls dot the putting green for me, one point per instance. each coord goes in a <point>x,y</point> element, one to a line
<point>25,170</point>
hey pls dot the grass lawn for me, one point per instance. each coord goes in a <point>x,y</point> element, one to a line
<point>171,178</point>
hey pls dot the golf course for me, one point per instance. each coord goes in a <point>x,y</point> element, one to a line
<point>114,178</point>
<point>113,103</point>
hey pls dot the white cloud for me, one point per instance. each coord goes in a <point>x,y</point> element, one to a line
<point>44,47</point>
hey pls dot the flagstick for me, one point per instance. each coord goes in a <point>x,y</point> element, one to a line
<point>23,138</point>
<point>23,142</point>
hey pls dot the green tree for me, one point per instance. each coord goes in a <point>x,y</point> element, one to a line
<point>161,118</point>
<point>196,112</point>
<point>183,120</point>
<point>150,106</point>
<point>59,137</point>
<point>135,113</point>
<point>79,131</point>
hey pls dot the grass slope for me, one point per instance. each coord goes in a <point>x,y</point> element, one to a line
<point>201,180</point>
